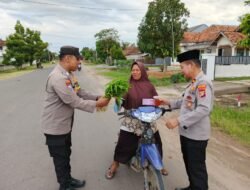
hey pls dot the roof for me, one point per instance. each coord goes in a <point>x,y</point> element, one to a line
<point>136,56</point>
<point>131,50</point>
<point>2,43</point>
<point>198,28</point>
<point>211,33</point>
<point>234,36</point>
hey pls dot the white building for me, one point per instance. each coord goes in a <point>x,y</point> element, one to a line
<point>221,40</point>
<point>2,49</point>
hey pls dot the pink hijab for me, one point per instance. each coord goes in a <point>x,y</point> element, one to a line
<point>140,89</point>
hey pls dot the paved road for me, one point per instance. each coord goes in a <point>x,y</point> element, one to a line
<point>25,163</point>
<point>24,160</point>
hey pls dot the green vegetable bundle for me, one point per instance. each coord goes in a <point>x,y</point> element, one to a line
<point>116,88</point>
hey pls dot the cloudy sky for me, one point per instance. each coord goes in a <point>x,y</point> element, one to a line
<point>75,22</point>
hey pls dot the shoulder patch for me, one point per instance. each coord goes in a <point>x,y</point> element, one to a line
<point>202,90</point>
<point>201,87</point>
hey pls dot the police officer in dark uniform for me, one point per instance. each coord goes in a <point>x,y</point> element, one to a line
<point>194,122</point>
<point>63,95</point>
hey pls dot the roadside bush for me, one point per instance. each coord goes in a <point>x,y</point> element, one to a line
<point>162,68</point>
<point>177,78</point>
<point>98,61</point>
<point>160,82</point>
<point>123,63</point>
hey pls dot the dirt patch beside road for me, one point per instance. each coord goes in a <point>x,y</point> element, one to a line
<point>232,99</point>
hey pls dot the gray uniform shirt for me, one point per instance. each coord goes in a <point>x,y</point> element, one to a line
<point>195,108</point>
<point>61,100</point>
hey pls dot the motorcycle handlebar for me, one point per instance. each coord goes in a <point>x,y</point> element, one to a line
<point>121,113</point>
<point>164,110</point>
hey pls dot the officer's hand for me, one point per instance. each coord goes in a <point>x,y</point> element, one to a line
<point>102,102</point>
<point>171,123</point>
<point>161,101</point>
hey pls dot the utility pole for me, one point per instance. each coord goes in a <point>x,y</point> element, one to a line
<point>96,56</point>
<point>172,27</point>
<point>49,55</point>
<point>48,51</point>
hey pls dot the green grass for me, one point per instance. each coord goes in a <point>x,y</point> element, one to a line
<point>124,73</point>
<point>15,72</point>
<point>18,72</point>
<point>160,82</point>
<point>233,121</point>
<point>89,63</point>
<point>232,78</point>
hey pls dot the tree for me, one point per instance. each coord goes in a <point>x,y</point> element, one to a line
<point>87,53</point>
<point>47,56</point>
<point>105,40</point>
<point>162,28</point>
<point>16,47</point>
<point>116,52</point>
<point>245,28</point>
<point>247,2</point>
<point>24,46</point>
<point>35,46</point>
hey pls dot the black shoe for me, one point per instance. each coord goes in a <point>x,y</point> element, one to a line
<point>184,188</point>
<point>76,183</point>
<point>66,188</point>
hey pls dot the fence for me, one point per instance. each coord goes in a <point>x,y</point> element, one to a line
<point>228,60</point>
<point>159,61</point>
<point>204,65</point>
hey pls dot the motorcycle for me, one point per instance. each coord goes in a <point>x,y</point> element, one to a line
<point>147,158</point>
<point>79,67</point>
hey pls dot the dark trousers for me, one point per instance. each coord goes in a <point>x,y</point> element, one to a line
<point>127,146</point>
<point>60,150</point>
<point>194,156</point>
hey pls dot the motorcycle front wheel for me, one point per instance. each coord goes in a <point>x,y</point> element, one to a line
<point>153,179</point>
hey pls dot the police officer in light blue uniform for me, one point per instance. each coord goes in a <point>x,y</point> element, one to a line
<point>193,121</point>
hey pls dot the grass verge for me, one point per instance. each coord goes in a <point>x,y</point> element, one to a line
<point>232,78</point>
<point>233,121</point>
<point>15,72</point>
<point>18,72</point>
<point>115,73</point>
<point>124,73</point>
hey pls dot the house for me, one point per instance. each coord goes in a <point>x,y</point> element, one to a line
<point>133,53</point>
<point>2,49</point>
<point>198,28</point>
<point>221,40</point>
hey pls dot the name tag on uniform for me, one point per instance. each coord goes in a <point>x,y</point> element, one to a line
<point>68,84</point>
<point>189,102</point>
<point>192,89</point>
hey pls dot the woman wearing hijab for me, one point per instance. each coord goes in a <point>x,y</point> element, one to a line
<point>131,129</point>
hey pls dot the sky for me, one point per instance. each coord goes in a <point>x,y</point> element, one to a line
<point>75,22</point>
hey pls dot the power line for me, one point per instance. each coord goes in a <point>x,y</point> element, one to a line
<point>80,7</point>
